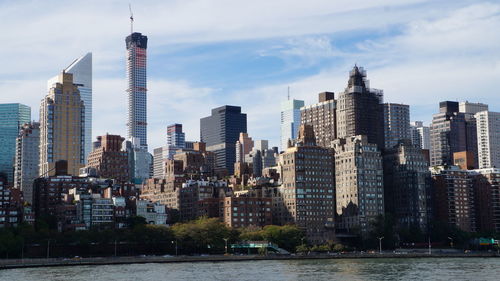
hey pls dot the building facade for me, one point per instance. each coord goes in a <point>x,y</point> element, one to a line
<point>108,158</point>
<point>308,187</point>
<point>12,117</point>
<point>140,161</point>
<point>322,117</point>
<point>360,110</point>
<point>396,124</point>
<point>406,185</point>
<point>290,121</point>
<point>219,132</point>
<point>62,127</point>
<point>359,183</point>
<point>488,139</point>
<point>420,135</point>
<point>453,197</point>
<point>137,88</point>
<point>27,159</point>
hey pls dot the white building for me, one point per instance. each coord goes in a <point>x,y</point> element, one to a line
<point>154,213</point>
<point>471,108</point>
<point>488,139</point>
<point>290,121</point>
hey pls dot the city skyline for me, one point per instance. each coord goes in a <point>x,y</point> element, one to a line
<point>310,48</point>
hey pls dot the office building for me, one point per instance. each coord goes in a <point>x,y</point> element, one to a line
<point>448,133</point>
<point>290,121</point>
<point>359,183</point>
<point>137,88</point>
<point>27,159</point>
<point>108,158</point>
<point>308,187</point>
<point>12,117</point>
<point>420,135</point>
<point>322,117</point>
<point>62,127</point>
<point>488,139</point>
<point>360,110</point>
<point>396,124</point>
<point>160,155</point>
<point>219,132</point>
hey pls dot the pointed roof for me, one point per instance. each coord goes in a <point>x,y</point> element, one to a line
<point>357,77</point>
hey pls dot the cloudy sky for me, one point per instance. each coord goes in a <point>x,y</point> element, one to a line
<point>207,53</point>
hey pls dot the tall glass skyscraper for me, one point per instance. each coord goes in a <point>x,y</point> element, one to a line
<point>12,117</point>
<point>82,77</point>
<point>137,88</point>
<point>220,131</point>
<point>290,121</point>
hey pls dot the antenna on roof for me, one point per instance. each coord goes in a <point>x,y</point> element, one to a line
<point>131,18</point>
<point>288,92</point>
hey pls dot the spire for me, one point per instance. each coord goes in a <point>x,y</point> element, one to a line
<point>357,77</point>
<point>131,19</point>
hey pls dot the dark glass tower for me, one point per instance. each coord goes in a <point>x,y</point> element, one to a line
<point>220,131</point>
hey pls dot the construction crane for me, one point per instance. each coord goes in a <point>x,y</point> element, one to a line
<point>131,18</point>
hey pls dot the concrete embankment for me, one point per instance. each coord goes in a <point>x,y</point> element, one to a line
<point>26,263</point>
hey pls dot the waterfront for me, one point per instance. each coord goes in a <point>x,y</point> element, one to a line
<point>330,269</point>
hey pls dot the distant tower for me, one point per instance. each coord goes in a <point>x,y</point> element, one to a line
<point>137,87</point>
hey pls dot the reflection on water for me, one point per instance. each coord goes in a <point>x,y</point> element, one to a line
<point>347,269</point>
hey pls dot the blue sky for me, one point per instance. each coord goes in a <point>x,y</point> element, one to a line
<point>203,54</point>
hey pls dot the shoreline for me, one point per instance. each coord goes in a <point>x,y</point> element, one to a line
<point>57,262</point>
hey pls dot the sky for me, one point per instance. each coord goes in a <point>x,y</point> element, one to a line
<point>207,53</point>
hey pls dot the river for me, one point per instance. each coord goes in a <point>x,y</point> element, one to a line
<point>334,269</point>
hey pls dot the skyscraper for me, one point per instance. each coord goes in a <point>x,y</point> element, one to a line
<point>82,77</point>
<point>27,159</point>
<point>220,131</point>
<point>176,139</point>
<point>12,117</point>
<point>62,127</point>
<point>137,88</point>
<point>360,110</point>
<point>396,123</point>
<point>322,117</point>
<point>290,121</point>
<point>81,69</point>
<point>488,137</point>
<point>448,133</point>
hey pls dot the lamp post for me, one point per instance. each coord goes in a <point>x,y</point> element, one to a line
<point>380,244</point>
<point>451,242</point>
<point>175,246</point>
<point>48,248</point>
<point>115,247</point>
<point>225,244</point>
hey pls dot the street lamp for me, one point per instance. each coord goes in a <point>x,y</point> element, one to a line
<point>380,243</point>
<point>451,242</point>
<point>225,244</point>
<point>115,247</point>
<point>175,246</point>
